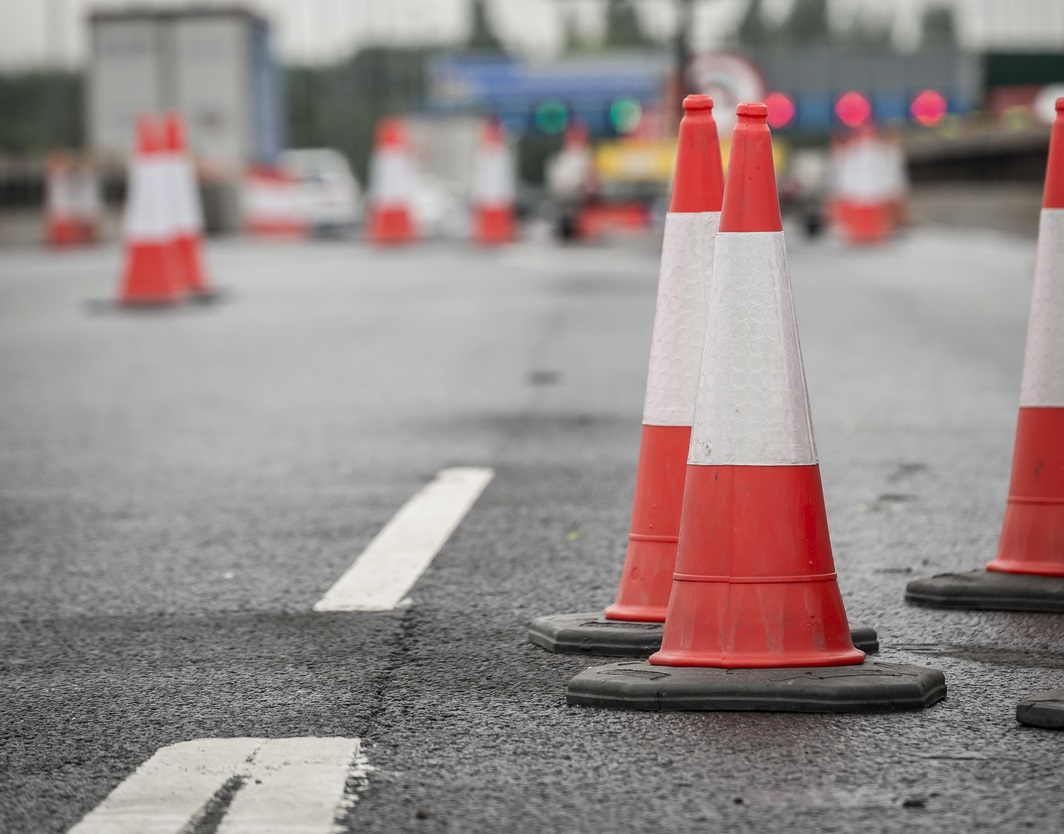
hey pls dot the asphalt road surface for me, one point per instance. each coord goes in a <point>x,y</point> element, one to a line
<point>178,490</point>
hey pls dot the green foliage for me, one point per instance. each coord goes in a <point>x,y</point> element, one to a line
<point>871,30</point>
<point>482,37</point>
<point>40,109</point>
<point>752,29</point>
<point>938,27</point>
<point>807,23</point>
<point>623,30</point>
<point>338,105</point>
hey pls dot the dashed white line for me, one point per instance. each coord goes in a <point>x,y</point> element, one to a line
<point>283,786</point>
<point>383,574</point>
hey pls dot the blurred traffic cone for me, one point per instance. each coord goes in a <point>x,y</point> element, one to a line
<point>493,188</point>
<point>271,203</point>
<point>1028,573</point>
<point>187,211</point>
<point>393,181</point>
<point>632,625</point>
<point>755,619</point>
<point>151,275</point>
<point>60,222</point>
<point>866,202</point>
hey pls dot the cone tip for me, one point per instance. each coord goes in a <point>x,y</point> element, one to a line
<point>697,102</point>
<point>752,110</point>
<point>1060,105</point>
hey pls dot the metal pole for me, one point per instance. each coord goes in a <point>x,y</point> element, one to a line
<point>684,22</point>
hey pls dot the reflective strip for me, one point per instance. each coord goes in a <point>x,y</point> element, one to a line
<point>393,179</point>
<point>680,318</point>
<point>188,215</point>
<point>752,407</point>
<point>148,216</point>
<point>494,180</point>
<point>1043,362</point>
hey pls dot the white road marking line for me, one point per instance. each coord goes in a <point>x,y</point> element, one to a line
<point>382,575</point>
<point>287,786</point>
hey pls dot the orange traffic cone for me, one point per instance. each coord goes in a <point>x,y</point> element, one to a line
<point>866,203</point>
<point>187,211</point>
<point>393,180</point>
<point>755,619</point>
<point>60,221</point>
<point>632,626</point>
<point>151,275</point>
<point>493,188</point>
<point>1028,573</point>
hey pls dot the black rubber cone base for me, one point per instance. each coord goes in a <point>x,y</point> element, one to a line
<point>1046,709</point>
<point>210,296</point>
<point>868,687</point>
<point>987,590</point>
<point>595,635</point>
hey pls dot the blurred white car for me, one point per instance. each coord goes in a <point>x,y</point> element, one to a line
<point>329,194</point>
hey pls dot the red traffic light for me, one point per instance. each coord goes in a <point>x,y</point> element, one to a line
<point>928,108</point>
<point>853,109</point>
<point>780,110</point>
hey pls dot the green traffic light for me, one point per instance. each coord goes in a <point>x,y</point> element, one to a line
<point>552,117</point>
<point>625,113</point>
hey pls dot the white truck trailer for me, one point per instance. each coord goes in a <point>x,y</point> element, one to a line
<point>214,65</point>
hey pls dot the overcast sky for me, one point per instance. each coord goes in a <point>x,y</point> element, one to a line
<point>36,32</point>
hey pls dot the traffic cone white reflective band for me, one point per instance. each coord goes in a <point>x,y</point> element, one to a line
<point>148,216</point>
<point>493,184</point>
<point>752,407</point>
<point>1043,364</point>
<point>680,318</point>
<point>188,214</point>
<point>393,180</point>
<point>60,198</point>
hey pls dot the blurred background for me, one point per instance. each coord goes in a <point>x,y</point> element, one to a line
<point>921,104</point>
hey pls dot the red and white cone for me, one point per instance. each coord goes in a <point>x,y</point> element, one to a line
<point>755,590</point>
<point>494,190</point>
<point>61,229</point>
<point>393,183</point>
<point>675,352</point>
<point>867,173</point>
<point>676,348</point>
<point>271,204</point>
<point>151,275</point>
<point>1028,573</point>
<point>187,211</point>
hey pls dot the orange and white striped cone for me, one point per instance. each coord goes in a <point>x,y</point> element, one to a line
<point>755,619</point>
<point>632,625</point>
<point>1028,572</point>
<point>393,182</point>
<point>270,204</point>
<point>61,228</point>
<point>151,276</point>
<point>187,211</point>
<point>494,190</point>
<point>867,199</point>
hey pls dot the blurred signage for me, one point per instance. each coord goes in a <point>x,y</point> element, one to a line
<point>730,79</point>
